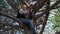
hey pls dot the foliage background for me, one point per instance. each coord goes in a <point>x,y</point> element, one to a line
<point>53,23</point>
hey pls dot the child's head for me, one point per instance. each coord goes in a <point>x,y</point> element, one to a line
<point>24,7</point>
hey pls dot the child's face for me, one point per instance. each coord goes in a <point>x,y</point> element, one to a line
<point>24,7</point>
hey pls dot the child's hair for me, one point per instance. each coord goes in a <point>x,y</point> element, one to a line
<point>23,5</point>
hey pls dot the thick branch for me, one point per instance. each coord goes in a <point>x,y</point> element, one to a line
<point>46,17</point>
<point>53,6</point>
<point>20,23</point>
<point>41,14</point>
<point>7,24</point>
<point>11,17</point>
<point>39,5</point>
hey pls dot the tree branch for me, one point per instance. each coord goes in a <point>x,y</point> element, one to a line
<point>11,17</point>
<point>7,24</point>
<point>55,4</point>
<point>22,25</point>
<point>56,7</point>
<point>39,5</point>
<point>46,17</point>
<point>13,5</point>
<point>25,2</point>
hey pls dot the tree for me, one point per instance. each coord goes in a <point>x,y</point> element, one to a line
<point>35,8</point>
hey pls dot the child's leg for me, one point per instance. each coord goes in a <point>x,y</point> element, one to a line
<point>30,23</point>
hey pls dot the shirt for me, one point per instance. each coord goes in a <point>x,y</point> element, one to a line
<point>23,14</point>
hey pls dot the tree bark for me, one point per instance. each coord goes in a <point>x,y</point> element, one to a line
<point>46,17</point>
